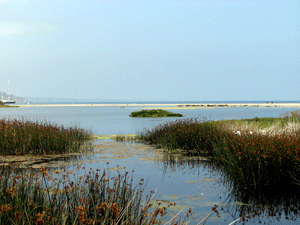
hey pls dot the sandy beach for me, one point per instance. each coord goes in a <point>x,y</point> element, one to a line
<point>287,105</point>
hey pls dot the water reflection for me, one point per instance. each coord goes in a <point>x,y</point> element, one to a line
<point>190,181</point>
<point>184,162</point>
<point>269,205</point>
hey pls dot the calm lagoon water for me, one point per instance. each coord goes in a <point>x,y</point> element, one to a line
<point>115,120</point>
<point>191,184</point>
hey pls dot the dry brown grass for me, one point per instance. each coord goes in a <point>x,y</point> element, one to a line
<point>274,129</point>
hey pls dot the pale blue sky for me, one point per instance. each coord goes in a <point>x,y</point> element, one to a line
<point>209,50</point>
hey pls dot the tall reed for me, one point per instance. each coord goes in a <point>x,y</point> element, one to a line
<point>29,137</point>
<point>259,160</point>
<point>249,158</point>
<point>185,134</point>
<point>63,198</point>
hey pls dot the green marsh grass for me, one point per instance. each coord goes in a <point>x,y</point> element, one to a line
<point>154,113</point>
<point>19,137</point>
<point>253,153</point>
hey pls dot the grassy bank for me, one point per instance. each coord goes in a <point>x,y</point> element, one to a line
<point>255,152</point>
<point>154,113</point>
<point>2,105</point>
<point>8,106</point>
<point>28,137</point>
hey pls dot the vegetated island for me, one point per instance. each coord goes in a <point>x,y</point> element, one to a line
<point>154,113</point>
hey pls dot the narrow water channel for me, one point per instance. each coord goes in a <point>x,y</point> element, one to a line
<point>191,183</point>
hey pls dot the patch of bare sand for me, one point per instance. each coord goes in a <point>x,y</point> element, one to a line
<point>296,105</point>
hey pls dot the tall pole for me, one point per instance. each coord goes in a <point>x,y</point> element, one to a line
<point>1,91</point>
<point>8,90</point>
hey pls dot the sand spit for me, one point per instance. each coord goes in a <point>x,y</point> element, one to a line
<point>292,105</point>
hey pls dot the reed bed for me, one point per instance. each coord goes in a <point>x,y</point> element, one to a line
<point>251,155</point>
<point>188,134</point>
<point>29,197</point>
<point>29,137</point>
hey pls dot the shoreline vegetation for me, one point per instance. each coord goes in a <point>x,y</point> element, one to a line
<point>253,153</point>
<point>2,105</point>
<point>36,197</point>
<point>19,137</point>
<point>33,198</point>
<point>209,105</point>
<point>154,113</point>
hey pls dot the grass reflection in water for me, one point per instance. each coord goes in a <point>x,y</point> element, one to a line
<point>265,204</point>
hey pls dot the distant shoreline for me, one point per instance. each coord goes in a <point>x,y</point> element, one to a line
<point>206,105</point>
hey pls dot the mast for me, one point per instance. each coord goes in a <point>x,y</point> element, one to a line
<point>8,101</point>
<point>8,90</point>
<point>2,92</point>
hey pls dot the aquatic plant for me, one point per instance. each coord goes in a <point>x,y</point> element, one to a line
<point>29,137</point>
<point>154,113</point>
<point>188,134</point>
<point>250,159</point>
<point>258,160</point>
<point>29,197</point>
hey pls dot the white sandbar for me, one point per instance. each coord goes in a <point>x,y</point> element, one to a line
<point>290,105</point>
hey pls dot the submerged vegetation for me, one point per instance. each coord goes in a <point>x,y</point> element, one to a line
<point>252,153</point>
<point>154,113</point>
<point>18,137</point>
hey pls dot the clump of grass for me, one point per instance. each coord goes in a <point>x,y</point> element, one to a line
<point>257,159</point>
<point>28,137</point>
<point>188,134</point>
<point>95,198</point>
<point>154,113</point>
<point>122,137</point>
<point>250,159</point>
